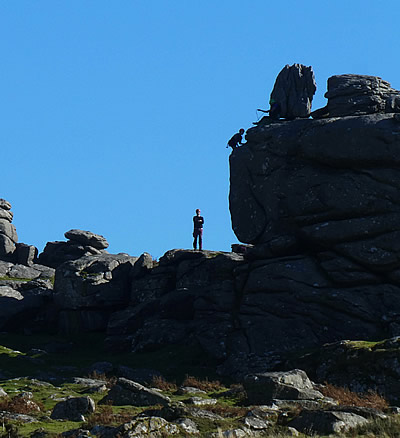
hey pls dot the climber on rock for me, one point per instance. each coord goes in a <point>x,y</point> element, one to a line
<point>274,110</point>
<point>236,139</point>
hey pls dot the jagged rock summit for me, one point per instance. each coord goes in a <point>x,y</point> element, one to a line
<point>294,90</point>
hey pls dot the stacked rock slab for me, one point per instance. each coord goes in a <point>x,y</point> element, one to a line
<point>294,90</point>
<point>81,243</point>
<point>357,95</point>
<point>8,233</point>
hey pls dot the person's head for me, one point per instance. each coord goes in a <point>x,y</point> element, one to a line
<point>241,131</point>
<point>198,211</point>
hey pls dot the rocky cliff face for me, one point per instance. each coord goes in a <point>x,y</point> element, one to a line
<point>316,200</point>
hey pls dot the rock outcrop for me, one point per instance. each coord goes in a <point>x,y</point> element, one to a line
<point>358,95</point>
<point>81,243</point>
<point>188,298</point>
<point>294,90</point>
<point>127,392</point>
<point>73,409</point>
<point>89,289</point>
<point>263,388</point>
<point>316,204</point>
<point>8,233</point>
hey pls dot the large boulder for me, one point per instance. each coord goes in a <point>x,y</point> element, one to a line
<point>87,238</point>
<point>81,243</point>
<point>73,409</point>
<point>263,388</point>
<point>327,422</point>
<point>127,392</point>
<point>351,94</point>
<point>294,90</point>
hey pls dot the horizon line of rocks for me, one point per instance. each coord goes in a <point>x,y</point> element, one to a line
<point>79,244</point>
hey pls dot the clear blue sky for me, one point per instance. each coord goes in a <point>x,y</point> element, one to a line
<point>114,115</point>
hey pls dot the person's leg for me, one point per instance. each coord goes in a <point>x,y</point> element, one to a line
<point>195,240</point>
<point>201,239</point>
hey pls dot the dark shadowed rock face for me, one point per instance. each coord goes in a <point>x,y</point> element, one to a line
<point>320,202</point>
<point>90,288</point>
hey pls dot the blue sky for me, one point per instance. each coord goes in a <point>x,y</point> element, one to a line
<point>114,115</point>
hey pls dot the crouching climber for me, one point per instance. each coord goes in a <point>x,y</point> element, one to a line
<point>236,139</point>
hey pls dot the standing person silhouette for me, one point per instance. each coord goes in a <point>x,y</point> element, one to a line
<point>198,222</point>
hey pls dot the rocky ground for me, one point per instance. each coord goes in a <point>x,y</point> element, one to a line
<point>71,386</point>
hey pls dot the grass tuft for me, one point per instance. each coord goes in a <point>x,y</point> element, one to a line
<point>377,428</point>
<point>160,383</point>
<point>105,416</point>
<point>346,397</point>
<point>19,405</point>
<point>204,385</point>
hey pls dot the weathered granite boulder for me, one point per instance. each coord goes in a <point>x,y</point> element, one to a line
<point>327,422</point>
<point>87,238</point>
<point>142,265</point>
<point>262,388</point>
<point>26,254</point>
<point>81,243</point>
<point>73,409</point>
<point>153,427</point>
<point>8,233</point>
<point>88,289</point>
<point>294,90</point>
<point>351,94</point>
<point>127,392</point>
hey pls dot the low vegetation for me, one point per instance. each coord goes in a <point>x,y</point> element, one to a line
<point>346,397</point>
<point>203,385</point>
<point>18,359</point>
